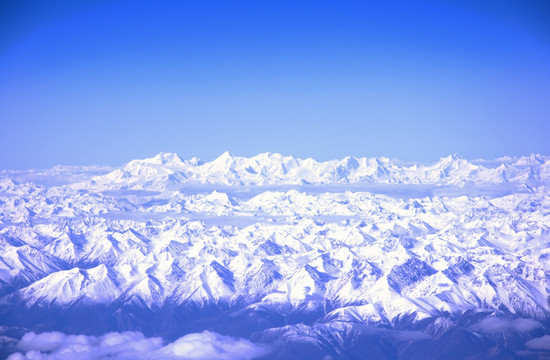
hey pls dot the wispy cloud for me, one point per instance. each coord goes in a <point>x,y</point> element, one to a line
<point>492,325</point>
<point>134,345</point>
<point>540,343</point>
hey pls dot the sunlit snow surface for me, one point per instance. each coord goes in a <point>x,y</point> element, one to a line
<point>274,257</point>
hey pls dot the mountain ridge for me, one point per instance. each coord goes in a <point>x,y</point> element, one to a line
<point>283,257</point>
<point>274,169</point>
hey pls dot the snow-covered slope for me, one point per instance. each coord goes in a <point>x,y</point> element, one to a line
<point>355,241</point>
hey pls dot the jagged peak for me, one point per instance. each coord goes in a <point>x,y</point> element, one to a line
<point>532,159</point>
<point>450,158</point>
<point>165,158</point>
<point>454,161</point>
<point>225,156</point>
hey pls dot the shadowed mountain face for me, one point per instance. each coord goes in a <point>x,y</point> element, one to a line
<point>350,259</point>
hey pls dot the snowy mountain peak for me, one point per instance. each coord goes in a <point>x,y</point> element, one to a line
<point>532,159</point>
<point>452,159</point>
<point>165,159</point>
<point>224,157</point>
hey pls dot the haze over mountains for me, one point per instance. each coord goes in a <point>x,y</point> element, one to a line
<point>292,257</point>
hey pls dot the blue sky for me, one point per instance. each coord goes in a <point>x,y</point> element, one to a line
<point>104,82</point>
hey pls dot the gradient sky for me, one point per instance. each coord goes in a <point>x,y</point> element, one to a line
<point>104,82</point>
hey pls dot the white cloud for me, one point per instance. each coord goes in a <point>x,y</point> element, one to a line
<point>209,345</point>
<point>135,346</point>
<point>42,342</point>
<point>492,325</point>
<point>541,343</point>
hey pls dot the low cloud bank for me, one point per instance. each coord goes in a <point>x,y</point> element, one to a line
<point>493,325</point>
<point>541,343</point>
<point>134,345</point>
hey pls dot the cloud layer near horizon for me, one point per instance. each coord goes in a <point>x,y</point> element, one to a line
<point>134,345</point>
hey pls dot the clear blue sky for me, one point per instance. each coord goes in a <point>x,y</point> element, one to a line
<point>104,82</point>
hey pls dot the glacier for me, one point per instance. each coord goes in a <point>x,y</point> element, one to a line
<point>345,259</point>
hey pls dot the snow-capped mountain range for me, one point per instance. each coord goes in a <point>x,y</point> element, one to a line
<point>285,251</point>
<point>274,169</point>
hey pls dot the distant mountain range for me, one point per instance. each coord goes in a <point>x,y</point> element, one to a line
<point>275,169</point>
<point>346,259</point>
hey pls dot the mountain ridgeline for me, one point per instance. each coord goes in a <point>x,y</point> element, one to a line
<point>347,259</point>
